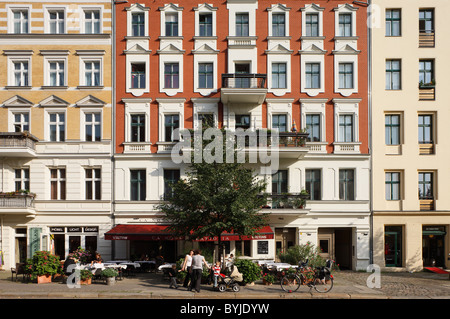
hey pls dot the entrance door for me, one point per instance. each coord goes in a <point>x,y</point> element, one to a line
<point>284,238</point>
<point>433,247</point>
<point>242,69</point>
<point>326,244</point>
<point>393,246</point>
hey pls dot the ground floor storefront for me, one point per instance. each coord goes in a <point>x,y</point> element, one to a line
<point>411,241</point>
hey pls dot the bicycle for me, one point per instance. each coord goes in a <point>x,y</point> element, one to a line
<point>319,278</point>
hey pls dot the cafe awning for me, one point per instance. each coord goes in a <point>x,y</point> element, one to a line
<point>159,232</point>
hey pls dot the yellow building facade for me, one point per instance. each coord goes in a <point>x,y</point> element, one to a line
<point>55,111</point>
<point>410,148</point>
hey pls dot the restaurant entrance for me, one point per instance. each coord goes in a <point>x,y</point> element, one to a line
<point>153,249</point>
<point>433,246</point>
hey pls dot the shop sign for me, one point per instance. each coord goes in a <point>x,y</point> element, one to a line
<point>73,229</point>
<point>57,229</point>
<point>91,229</point>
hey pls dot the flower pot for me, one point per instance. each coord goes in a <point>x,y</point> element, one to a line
<point>86,281</point>
<point>44,279</point>
<point>267,283</point>
<point>110,281</point>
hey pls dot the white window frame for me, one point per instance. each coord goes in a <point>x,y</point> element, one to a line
<point>10,16</point>
<point>346,58</point>
<point>14,57</point>
<point>22,180</point>
<point>205,8</point>
<point>92,180</point>
<point>83,123</point>
<point>137,59</point>
<point>136,8</point>
<point>277,9</point>
<point>51,8</point>
<point>169,106</point>
<point>13,122</point>
<point>315,106</point>
<point>58,179</point>
<point>85,9</point>
<point>280,107</point>
<point>345,8</point>
<point>305,59</point>
<point>86,57</point>
<point>47,122</point>
<point>316,9</point>
<point>171,9</point>
<point>55,56</point>
<point>235,7</point>
<point>137,106</point>
<point>346,107</point>
<point>205,106</point>
<point>205,58</point>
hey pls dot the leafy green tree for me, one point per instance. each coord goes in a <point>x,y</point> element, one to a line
<point>216,197</point>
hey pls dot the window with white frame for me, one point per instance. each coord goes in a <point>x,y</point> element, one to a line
<point>137,24</point>
<point>58,183</point>
<point>93,126</point>
<point>171,24</point>
<point>205,75</point>
<point>21,73</point>
<point>242,24</point>
<point>312,73</point>
<point>205,24</point>
<point>57,127</point>
<point>278,24</point>
<point>92,73</point>
<point>138,75</point>
<point>279,79</point>
<point>93,183</point>
<point>21,21</point>
<point>137,129</point>
<point>312,24</point>
<point>346,128</point>
<point>313,127</point>
<point>21,122</point>
<point>171,76</point>
<point>347,184</point>
<point>279,122</point>
<point>92,21</point>
<point>171,123</point>
<point>56,21</point>
<point>346,75</point>
<point>345,20</point>
<point>22,179</point>
<point>345,25</point>
<point>57,75</point>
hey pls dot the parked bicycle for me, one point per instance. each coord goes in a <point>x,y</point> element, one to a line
<point>319,278</point>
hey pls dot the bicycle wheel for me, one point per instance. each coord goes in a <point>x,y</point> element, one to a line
<point>323,285</point>
<point>290,283</point>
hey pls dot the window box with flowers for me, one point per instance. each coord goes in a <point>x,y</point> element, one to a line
<point>43,266</point>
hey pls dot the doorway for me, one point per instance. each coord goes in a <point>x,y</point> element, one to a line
<point>21,245</point>
<point>393,246</point>
<point>284,239</point>
<point>241,70</point>
<point>433,246</point>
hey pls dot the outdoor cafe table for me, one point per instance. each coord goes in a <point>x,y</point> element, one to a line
<point>279,266</point>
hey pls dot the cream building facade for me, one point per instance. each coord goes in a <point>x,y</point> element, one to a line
<point>410,144</point>
<point>55,111</point>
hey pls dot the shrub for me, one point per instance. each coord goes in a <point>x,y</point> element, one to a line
<point>269,278</point>
<point>85,274</point>
<point>110,272</point>
<point>250,271</point>
<point>43,263</point>
<point>300,253</point>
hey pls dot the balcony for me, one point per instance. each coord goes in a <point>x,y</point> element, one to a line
<point>426,204</point>
<point>136,147</point>
<point>17,144</point>
<point>427,92</point>
<point>243,88</point>
<point>426,39</point>
<point>17,202</point>
<point>289,204</point>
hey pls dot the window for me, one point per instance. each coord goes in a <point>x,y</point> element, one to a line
<point>393,22</point>
<point>392,129</point>
<point>425,129</point>
<point>426,21</point>
<point>279,75</point>
<point>92,21</point>
<point>313,184</point>
<point>346,75</point>
<point>138,24</point>
<point>93,127</point>
<point>57,127</point>
<point>205,24</point>
<point>346,184</point>
<point>242,121</point>
<point>93,182</point>
<point>56,22</point>
<point>345,128</point>
<point>171,76</point>
<point>171,176</point>
<point>58,183</point>
<point>426,71</point>
<point>242,25</point>
<point>21,73</point>
<point>280,182</point>
<point>138,128</point>
<point>393,75</point>
<point>171,123</point>
<point>22,179</point>
<point>426,185</point>
<point>57,73</point>
<point>172,24</point>
<point>279,122</point>
<point>20,21</point>
<point>205,75</point>
<point>21,122</point>
<point>392,185</point>
<point>138,184</point>
<point>312,75</point>
<point>345,24</point>
<point>278,25</point>
<point>92,73</point>
<point>138,75</point>
<point>206,119</point>
<point>312,24</point>
<point>313,127</point>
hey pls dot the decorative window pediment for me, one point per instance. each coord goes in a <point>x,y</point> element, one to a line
<point>90,101</point>
<point>205,49</point>
<point>312,49</point>
<point>17,101</point>
<point>137,49</point>
<point>171,49</point>
<point>279,49</point>
<point>54,101</point>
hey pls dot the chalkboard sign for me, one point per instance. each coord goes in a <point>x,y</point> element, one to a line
<point>263,247</point>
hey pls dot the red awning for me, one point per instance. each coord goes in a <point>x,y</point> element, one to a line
<point>159,232</point>
<point>139,232</point>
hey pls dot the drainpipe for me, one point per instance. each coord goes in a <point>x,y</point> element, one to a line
<point>369,52</point>
<point>113,120</point>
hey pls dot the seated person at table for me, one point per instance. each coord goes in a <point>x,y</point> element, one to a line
<point>70,260</point>
<point>97,259</point>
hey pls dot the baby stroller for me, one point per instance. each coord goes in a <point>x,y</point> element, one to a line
<point>230,282</point>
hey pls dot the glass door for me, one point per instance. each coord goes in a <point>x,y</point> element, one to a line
<point>393,246</point>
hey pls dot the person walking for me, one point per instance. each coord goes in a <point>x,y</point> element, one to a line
<point>187,267</point>
<point>197,269</point>
<point>173,277</point>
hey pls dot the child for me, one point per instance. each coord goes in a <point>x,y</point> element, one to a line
<point>173,277</point>
<point>216,274</point>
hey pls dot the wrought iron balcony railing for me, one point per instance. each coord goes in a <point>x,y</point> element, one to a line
<point>244,81</point>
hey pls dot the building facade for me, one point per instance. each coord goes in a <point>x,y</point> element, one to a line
<point>411,216</point>
<point>55,140</point>
<point>253,65</point>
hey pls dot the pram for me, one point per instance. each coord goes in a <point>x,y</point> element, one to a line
<point>230,282</point>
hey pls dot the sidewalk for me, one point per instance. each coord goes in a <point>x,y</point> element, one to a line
<point>347,285</point>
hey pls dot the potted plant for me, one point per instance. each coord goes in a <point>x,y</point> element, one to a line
<point>268,279</point>
<point>43,266</point>
<point>110,274</point>
<point>86,277</point>
<point>82,255</point>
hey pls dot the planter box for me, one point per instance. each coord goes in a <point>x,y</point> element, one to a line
<point>44,279</point>
<point>86,282</point>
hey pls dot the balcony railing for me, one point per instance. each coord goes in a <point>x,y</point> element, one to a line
<point>426,39</point>
<point>16,200</point>
<point>17,143</point>
<point>244,81</point>
<point>287,201</point>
